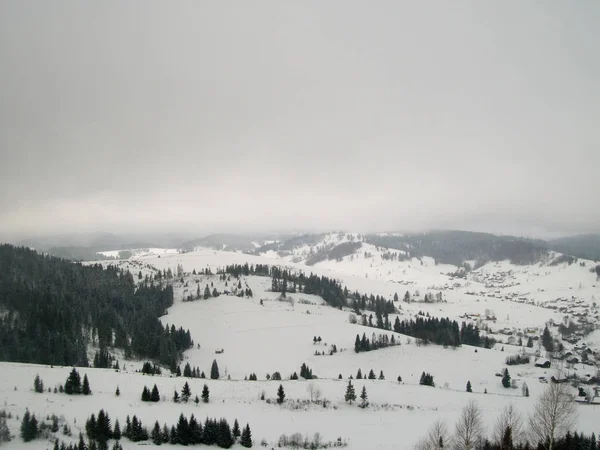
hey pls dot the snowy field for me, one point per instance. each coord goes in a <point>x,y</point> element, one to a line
<point>278,336</point>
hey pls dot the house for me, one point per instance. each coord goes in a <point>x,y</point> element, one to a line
<point>543,363</point>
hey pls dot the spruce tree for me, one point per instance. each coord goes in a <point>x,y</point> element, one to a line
<point>205,394</point>
<point>176,396</point>
<point>363,398</point>
<point>155,395</point>
<point>118,392</point>
<point>371,375</point>
<point>214,370</point>
<point>85,389</point>
<point>236,429</point>
<point>280,394</point>
<point>350,394</point>
<point>186,392</point>
<point>145,394</point>
<point>469,389</point>
<point>381,377</point>
<point>38,385</point>
<point>246,439</point>
<point>359,375</point>
<point>506,379</point>
<point>117,431</point>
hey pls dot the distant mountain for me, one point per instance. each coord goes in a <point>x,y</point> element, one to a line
<point>233,242</point>
<point>584,246</point>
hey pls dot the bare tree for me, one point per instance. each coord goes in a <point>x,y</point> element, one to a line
<point>469,429</point>
<point>438,436</point>
<point>554,414</point>
<point>314,392</point>
<point>510,418</point>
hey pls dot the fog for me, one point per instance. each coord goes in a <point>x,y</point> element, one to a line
<point>244,116</point>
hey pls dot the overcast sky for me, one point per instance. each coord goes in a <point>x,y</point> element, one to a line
<point>205,116</point>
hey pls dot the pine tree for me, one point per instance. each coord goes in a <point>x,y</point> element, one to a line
<point>73,383</point>
<point>246,439</point>
<point>187,370</point>
<point>350,394</point>
<point>214,370</point>
<point>29,427</point>
<point>371,375</point>
<point>280,394</point>
<point>196,399</point>
<point>117,431</point>
<point>547,340</point>
<point>381,377</point>
<point>469,389</point>
<point>38,385</point>
<point>205,394</point>
<point>186,392</point>
<point>85,389</point>
<point>155,395</point>
<point>176,397</point>
<point>236,429</point>
<point>363,398</point>
<point>506,379</point>
<point>145,394</point>
<point>118,392</point>
<point>359,375</point>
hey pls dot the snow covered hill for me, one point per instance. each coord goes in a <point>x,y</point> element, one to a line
<point>264,333</point>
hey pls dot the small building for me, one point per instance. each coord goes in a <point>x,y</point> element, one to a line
<point>543,363</point>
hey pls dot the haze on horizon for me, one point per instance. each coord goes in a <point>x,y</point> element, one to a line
<point>228,116</point>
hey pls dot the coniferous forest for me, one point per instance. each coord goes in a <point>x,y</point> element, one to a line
<point>53,308</point>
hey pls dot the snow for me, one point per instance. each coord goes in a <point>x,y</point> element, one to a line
<point>278,336</point>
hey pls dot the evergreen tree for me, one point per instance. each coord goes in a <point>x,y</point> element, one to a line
<point>381,377</point>
<point>350,394</point>
<point>359,375</point>
<point>118,392</point>
<point>214,370</point>
<point>371,375</point>
<point>280,394</point>
<point>29,427</point>
<point>246,439</point>
<point>85,389</point>
<point>547,340</point>
<point>469,389</point>
<point>363,398</point>
<point>38,385</point>
<point>186,392</point>
<point>155,395</point>
<point>117,431</point>
<point>183,431</point>
<point>73,383</point>
<point>529,342</point>
<point>187,371</point>
<point>176,396</point>
<point>506,379</point>
<point>145,394</point>
<point>205,394</point>
<point>236,429</point>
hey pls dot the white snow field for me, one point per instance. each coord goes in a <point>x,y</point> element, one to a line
<point>278,336</point>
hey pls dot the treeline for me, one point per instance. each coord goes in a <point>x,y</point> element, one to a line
<point>380,341</point>
<point>442,332</point>
<point>185,432</point>
<point>54,308</point>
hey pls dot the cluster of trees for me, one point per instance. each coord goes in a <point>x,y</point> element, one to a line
<point>370,376</point>
<point>350,395</point>
<point>99,428</point>
<point>514,360</point>
<point>442,332</point>
<point>237,270</point>
<point>149,368</point>
<point>427,379</point>
<point>549,427</point>
<point>191,372</point>
<point>104,360</point>
<point>150,396</point>
<point>74,386</point>
<point>306,372</point>
<point>380,341</point>
<point>29,427</point>
<point>193,432</point>
<point>55,308</point>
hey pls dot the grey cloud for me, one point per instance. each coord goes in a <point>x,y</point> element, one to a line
<point>316,115</point>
